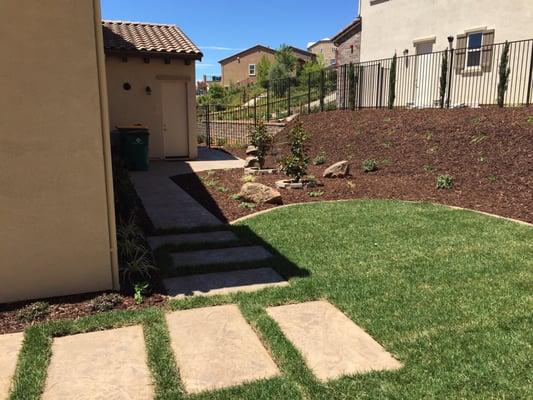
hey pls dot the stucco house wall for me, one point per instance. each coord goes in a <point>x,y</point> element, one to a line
<point>57,218</point>
<point>395,25</point>
<point>236,71</point>
<point>135,106</point>
<point>326,49</point>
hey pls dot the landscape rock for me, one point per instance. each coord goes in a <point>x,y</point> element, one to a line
<point>251,151</point>
<point>260,194</point>
<point>337,170</point>
<point>252,162</point>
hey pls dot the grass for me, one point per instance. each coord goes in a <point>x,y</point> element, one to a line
<point>448,292</point>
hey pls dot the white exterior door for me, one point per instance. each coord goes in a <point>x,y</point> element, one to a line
<point>424,87</point>
<point>175,119</point>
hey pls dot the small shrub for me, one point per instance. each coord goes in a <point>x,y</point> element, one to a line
<point>211,183</point>
<point>492,178</point>
<point>316,194</point>
<point>320,159</point>
<point>201,139</point>
<point>350,184</point>
<point>248,178</point>
<point>260,138</point>
<point>429,168</point>
<point>221,142</point>
<point>295,164</point>
<point>247,205</point>
<point>106,302</point>
<point>444,182</point>
<point>235,197</point>
<point>530,119</point>
<point>223,189</point>
<point>370,165</point>
<point>140,290</point>
<point>34,312</point>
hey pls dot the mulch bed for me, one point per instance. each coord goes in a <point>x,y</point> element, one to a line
<point>488,152</point>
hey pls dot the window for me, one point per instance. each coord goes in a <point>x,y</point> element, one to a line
<point>251,69</point>
<point>333,61</point>
<point>473,51</point>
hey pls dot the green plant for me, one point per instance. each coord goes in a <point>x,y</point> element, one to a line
<point>200,139</point>
<point>244,204</point>
<point>320,159</point>
<point>392,81</point>
<point>34,312</point>
<point>248,178</point>
<point>444,182</point>
<point>223,189</point>
<point>236,197</point>
<point>429,168</point>
<point>262,141</point>
<point>106,302</point>
<point>492,178</point>
<point>263,70</point>
<point>316,194</point>
<point>443,79</point>
<point>295,164</point>
<point>370,165</point>
<point>211,183</point>
<point>140,290</point>
<point>221,142</point>
<point>530,119</point>
<point>478,139</point>
<point>504,72</point>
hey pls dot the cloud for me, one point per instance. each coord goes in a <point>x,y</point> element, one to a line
<point>219,48</point>
<point>204,65</point>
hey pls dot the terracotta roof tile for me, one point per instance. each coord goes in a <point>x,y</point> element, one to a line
<point>145,37</point>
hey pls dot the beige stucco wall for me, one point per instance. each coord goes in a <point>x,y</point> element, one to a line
<point>394,25</point>
<point>56,216</point>
<point>136,107</point>
<point>236,71</point>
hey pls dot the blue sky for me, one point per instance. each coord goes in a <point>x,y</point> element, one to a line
<point>223,27</point>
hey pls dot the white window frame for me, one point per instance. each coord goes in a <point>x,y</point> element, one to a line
<point>473,68</point>
<point>250,68</point>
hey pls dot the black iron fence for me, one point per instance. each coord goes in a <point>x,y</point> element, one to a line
<point>466,77</point>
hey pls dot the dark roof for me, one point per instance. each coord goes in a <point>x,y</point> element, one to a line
<point>146,38</point>
<point>260,47</point>
<point>347,30</point>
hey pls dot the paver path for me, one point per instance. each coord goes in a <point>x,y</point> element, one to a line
<point>10,346</point>
<point>329,341</point>
<point>249,280</point>
<point>99,365</point>
<point>215,348</point>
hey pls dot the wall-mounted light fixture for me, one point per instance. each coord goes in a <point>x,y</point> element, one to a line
<point>450,41</point>
<point>148,90</point>
<point>406,52</point>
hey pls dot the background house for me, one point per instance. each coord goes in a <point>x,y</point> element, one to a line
<point>58,234</point>
<point>151,81</point>
<point>348,43</point>
<point>241,68</point>
<point>324,48</point>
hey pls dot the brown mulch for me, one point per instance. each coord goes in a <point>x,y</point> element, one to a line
<point>488,152</point>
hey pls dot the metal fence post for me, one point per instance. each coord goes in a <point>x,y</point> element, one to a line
<point>322,94</point>
<point>255,111</point>
<point>530,80</point>
<point>309,93</point>
<point>378,88</point>
<point>289,97</point>
<point>451,68</point>
<point>207,127</point>
<point>360,86</point>
<point>268,104</point>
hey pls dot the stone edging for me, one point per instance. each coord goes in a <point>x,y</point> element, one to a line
<point>247,217</point>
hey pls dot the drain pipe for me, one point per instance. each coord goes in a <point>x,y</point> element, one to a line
<point>106,144</point>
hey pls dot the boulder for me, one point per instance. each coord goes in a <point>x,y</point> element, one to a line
<point>258,193</point>
<point>251,151</point>
<point>337,170</point>
<point>252,162</point>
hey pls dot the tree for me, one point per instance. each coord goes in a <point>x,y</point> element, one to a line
<point>285,57</point>
<point>504,73</point>
<point>392,81</point>
<point>443,78</point>
<point>295,164</point>
<point>260,138</point>
<point>279,79</point>
<point>263,71</point>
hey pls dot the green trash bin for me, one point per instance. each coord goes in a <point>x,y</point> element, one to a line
<point>134,144</point>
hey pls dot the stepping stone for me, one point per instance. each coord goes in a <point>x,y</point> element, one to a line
<point>215,348</point>
<point>99,365</point>
<point>220,256</point>
<point>156,242</point>
<point>331,344</point>
<point>10,346</point>
<point>249,280</point>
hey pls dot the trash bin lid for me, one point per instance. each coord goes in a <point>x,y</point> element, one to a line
<point>136,129</point>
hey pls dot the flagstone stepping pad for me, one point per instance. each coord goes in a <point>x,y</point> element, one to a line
<point>99,365</point>
<point>192,238</point>
<point>331,344</point>
<point>249,280</point>
<point>215,348</point>
<point>220,256</point>
<point>10,346</point>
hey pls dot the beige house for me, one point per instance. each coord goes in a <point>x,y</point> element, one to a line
<point>57,233</point>
<point>326,49</point>
<point>241,68</point>
<point>420,26</point>
<point>151,81</point>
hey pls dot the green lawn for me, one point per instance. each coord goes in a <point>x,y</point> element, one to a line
<point>447,292</point>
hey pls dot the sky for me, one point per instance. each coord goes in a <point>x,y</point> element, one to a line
<point>224,27</point>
